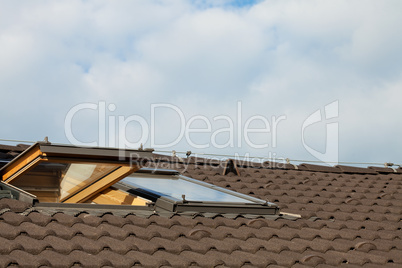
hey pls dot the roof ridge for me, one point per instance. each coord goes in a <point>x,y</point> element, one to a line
<point>11,151</point>
<point>350,169</point>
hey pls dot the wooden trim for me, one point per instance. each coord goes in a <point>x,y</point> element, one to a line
<point>21,164</point>
<point>117,197</point>
<point>100,185</point>
<point>39,153</point>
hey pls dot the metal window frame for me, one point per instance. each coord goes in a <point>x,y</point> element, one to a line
<point>128,161</point>
<point>175,205</point>
<point>18,194</point>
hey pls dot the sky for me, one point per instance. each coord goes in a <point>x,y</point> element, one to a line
<point>304,80</point>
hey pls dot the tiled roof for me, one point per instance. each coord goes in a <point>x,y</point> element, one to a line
<point>349,216</point>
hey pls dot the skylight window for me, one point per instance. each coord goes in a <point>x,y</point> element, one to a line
<point>106,176</point>
<point>60,173</point>
<point>170,190</point>
<point>77,176</point>
<point>161,185</point>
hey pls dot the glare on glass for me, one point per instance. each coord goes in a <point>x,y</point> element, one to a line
<point>78,176</point>
<point>176,187</point>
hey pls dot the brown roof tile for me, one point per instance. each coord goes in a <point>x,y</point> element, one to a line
<point>355,170</point>
<point>385,170</point>
<point>349,215</point>
<point>319,168</point>
<point>25,259</point>
<point>14,205</point>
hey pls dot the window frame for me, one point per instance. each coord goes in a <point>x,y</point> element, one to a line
<point>129,161</point>
<point>41,152</point>
<point>169,203</point>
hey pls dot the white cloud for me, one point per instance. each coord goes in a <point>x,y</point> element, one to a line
<point>277,57</point>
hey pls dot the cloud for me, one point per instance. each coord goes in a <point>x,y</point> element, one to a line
<point>276,57</point>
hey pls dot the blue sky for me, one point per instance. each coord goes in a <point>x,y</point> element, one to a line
<point>277,58</point>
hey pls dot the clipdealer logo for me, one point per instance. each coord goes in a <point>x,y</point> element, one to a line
<point>331,113</point>
<point>112,129</point>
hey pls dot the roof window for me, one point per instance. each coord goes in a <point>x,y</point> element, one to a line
<point>106,176</point>
<point>62,173</point>
<point>170,190</point>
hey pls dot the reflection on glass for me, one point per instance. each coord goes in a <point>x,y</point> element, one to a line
<point>51,182</point>
<point>78,176</point>
<point>176,187</point>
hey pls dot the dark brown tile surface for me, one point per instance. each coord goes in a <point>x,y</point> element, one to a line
<point>350,216</point>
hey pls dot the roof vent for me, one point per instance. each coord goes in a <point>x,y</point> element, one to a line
<point>230,166</point>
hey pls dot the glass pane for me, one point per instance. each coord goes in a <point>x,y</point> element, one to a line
<point>78,176</point>
<point>176,187</point>
<point>51,182</point>
<point>43,181</point>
